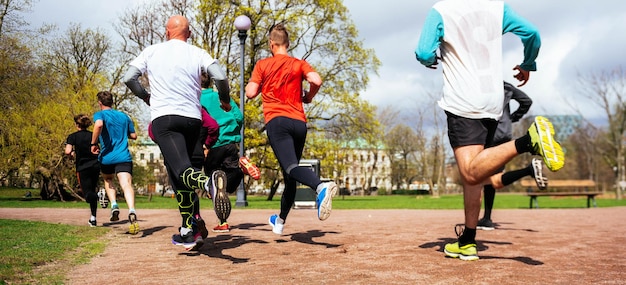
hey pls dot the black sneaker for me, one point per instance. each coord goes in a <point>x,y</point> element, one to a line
<point>201,225</point>
<point>133,229</point>
<point>188,241</point>
<point>199,242</point>
<point>92,223</point>
<point>485,225</point>
<point>115,214</point>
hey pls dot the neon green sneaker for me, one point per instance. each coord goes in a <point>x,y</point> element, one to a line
<point>467,252</point>
<point>543,143</point>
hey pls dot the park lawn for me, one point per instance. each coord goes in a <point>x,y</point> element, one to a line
<point>60,247</point>
<point>13,198</point>
<point>26,246</point>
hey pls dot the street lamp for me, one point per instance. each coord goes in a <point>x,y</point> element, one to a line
<point>242,23</point>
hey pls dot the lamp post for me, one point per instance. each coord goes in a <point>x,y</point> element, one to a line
<point>242,23</point>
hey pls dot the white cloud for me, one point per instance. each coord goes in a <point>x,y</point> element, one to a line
<point>542,86</point>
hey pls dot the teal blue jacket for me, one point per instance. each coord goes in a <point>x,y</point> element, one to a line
<point>230,122</point>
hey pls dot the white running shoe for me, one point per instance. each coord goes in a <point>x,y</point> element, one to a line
<point>324,199</point>
<point>277,224</point>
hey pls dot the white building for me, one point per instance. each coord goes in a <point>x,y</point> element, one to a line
<point>365,163</point>
<point>147,153</point>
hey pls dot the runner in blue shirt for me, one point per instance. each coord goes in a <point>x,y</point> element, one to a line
<point>111,132</point>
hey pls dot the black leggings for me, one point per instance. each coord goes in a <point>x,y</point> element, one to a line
<point>177,137</point>
<point>88,180</point>
<point>287,137</point>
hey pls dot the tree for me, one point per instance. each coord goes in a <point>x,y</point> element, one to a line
<point>435,150</point>
<point>17,81</point>
<point>80,58</point>
<point>607,89</point>
<point>45,83</point>
<point>321,33</point>
<point>402,143</point>
<point>10,18</point>
<point>43,94</point>
<point>427,134</point>
<point>23,90</point>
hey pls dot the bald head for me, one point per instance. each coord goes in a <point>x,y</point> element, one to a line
<point>177,27</point>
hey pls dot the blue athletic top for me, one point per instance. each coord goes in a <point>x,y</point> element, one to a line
<point>114,137</point>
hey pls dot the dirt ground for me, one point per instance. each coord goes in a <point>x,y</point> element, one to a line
<point>538,246</point>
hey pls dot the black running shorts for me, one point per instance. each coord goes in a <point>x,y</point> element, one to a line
<point>463,131</point>
<point>117,168</point>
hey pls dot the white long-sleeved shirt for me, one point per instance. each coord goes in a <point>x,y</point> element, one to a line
<point>174,69</point>
<point>468,34</point>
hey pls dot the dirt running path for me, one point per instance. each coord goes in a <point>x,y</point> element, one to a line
<point>544,246</point>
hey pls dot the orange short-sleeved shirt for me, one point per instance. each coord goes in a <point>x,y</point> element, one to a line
<point>280,79</point>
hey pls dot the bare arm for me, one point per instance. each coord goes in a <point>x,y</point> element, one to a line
<point>97,130</point>
<point>69,149</point>
<point>252,90</point>
<point>315,82</point>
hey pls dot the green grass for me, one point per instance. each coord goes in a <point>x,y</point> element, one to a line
<point>25,246</point>
<point>12,198</point>
<point>60,247</point>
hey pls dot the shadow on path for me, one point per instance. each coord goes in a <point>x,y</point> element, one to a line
<point>481,246</point>
<point>215,246</point>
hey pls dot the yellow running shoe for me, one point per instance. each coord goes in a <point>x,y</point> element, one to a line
<point>467,252</point>
<point>133,229</point>
<point>543,143</point>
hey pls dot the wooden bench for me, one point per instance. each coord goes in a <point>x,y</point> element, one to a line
<point>568,187</point>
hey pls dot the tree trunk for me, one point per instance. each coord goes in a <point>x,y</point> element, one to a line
<point>53,187</point>
<point>621,174</point>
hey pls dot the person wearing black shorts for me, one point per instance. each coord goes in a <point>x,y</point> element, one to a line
<point>466,37</point>
<point>112,129</point>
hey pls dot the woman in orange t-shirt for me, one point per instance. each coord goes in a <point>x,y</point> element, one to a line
<point>279,80</point>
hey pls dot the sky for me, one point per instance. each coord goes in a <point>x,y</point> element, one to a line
<point>579,38</point>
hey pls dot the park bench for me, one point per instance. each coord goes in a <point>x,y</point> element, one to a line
<point>569,187</point>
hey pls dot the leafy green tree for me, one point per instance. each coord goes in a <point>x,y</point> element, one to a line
<point>45,82</point>
<point>23,90</point>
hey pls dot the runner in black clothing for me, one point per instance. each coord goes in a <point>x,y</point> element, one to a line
<point>78,147</point>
